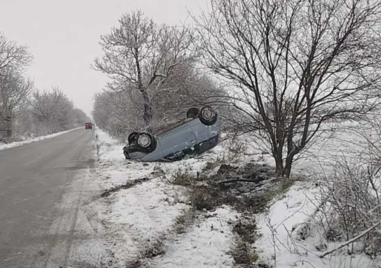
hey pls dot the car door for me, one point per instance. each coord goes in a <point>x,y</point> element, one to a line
<point>204,132</point>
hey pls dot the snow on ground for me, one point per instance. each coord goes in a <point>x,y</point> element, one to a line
<point>207,244</point>
<point>108,148</point>
<point>279,245</point>
<point>4,146</point>
<point>144,214</point>
<point>143,217</point>
<point>113,168</point>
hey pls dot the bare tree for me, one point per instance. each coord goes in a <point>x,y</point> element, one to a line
<point>12,55</point>
<point>14,89</point>
<point>140,55</point>
<point>118,112</point>
<point>294,65</point>
<point>115,112</point>
<point>48,112</point>
<point>53,111</point>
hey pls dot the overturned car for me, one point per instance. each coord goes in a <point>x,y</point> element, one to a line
<point>194,135</point>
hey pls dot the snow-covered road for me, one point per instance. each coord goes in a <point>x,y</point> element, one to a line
<point>43,186</point>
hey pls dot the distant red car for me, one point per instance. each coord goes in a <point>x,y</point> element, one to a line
<point>88,126</point>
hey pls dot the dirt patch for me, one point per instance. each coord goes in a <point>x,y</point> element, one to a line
<point>184,221</point>
<point>246,229</point>
<point>156,173</point>
<point>127,185</point>
<point>248,189</point>
<point>243,255</point>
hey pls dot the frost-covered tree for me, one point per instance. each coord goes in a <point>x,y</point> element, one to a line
<point>13,55</point>
<point>294,65</point>
<point>140,56</point>
<point>52,111</point>
<point>14,88</point>
<point>118,111</point>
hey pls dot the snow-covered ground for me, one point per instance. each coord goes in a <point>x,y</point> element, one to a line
<point>4,146</point>
<point>206,244</point>
<point>280,244</point>
<point>142,219</point>
<point>143,209</point>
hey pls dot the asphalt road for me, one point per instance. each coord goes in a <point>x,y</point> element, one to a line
<point>42,185</point>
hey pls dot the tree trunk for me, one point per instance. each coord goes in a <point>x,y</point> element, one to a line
<point>287,168</point>
<point>279,169</point>
<point>8,127</point>
<point>283,169</point>
<point>147,109</point>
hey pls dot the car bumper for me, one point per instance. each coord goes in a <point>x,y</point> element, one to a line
<point>132,153</point>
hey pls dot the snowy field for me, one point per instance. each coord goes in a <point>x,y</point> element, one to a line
<point>142,210</point>
<point>4,146</point>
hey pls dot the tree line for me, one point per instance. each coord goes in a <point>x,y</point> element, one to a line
<point>25,111</point>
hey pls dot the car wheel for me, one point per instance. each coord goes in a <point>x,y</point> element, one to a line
<point>132,137</point>
<point>208,116</point>
<point>192,113</point>
<point>146,141</point>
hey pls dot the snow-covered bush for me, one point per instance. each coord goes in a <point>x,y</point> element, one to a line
<point>350,208</point>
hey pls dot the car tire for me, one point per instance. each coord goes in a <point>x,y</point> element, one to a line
<point>132,137</point>
<point>208,116</point>
<point>146,142</point>
<point>193,113</point>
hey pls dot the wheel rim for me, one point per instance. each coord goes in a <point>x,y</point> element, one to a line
<point>144,140</point>
<point>208,114</point>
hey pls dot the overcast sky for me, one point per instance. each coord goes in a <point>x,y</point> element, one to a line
<point>63,37</point>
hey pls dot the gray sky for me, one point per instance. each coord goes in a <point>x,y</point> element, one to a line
<point>63,37</point>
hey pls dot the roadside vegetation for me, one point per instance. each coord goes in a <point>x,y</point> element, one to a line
<point>284,76</point>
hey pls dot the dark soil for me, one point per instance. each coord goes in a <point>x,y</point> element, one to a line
<point>127,185</point>
<point>248,189</point>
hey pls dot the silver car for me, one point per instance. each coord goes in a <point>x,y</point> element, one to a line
<point>196,134</point>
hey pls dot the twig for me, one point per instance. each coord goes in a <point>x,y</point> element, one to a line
<point>239,180</point>
<point>350,240</point>
<point>259,182</point>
